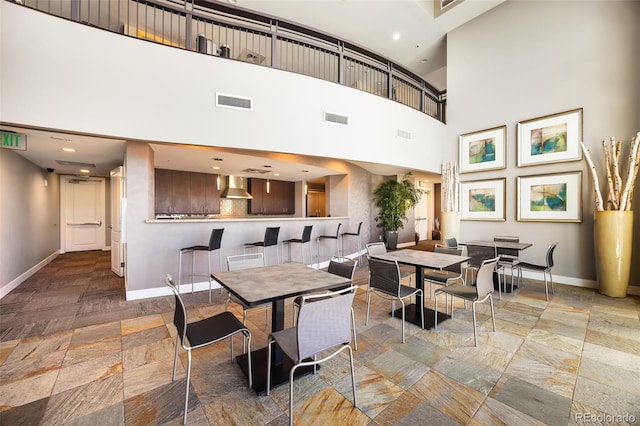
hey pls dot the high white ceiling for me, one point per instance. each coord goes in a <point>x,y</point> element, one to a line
<point>368,23</point>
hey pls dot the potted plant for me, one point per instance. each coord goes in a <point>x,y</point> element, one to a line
<point>393,199</point>
<point>613,221</point>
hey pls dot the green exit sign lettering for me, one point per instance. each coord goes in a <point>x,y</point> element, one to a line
<point>12,140</point>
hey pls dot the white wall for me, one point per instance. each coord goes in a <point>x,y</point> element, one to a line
<point>526,59</point>
<point>29,219</point>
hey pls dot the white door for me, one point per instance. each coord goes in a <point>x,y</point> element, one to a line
<point>82,213</point>
<point>116,226</point>
<point>422,216</point>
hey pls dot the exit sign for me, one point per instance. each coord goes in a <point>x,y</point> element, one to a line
<point>12,140</point>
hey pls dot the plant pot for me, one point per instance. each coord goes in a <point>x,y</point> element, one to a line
<point>450,225</point>
<point>613,237</point>
<point>392,240</point>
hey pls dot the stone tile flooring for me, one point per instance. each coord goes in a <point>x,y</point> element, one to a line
<point>74,352</point>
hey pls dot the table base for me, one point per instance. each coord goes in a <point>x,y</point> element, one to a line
<point>279,373</point>
<point>412,315</point>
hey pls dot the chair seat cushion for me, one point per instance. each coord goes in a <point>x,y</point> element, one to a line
<point>213,328</point>
<point>459,290</point>
<point>288,342</point>
<point>406,291</point>
<point>532,266</point>
<point>440,276</point>
<point>194,248</point>
<point>257,243</point>
<point>292,240</point>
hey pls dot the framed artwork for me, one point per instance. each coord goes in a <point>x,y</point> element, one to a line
<point>483,150</point>
<point>550,197</point>
<point>483,200</point>
<point>551,139</point>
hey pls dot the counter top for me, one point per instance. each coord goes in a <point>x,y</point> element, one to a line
<point>244,219</point>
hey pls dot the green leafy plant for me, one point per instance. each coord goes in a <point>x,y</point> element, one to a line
<point>393,199</point>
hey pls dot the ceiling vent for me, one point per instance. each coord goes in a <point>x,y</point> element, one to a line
<point>233,101</point>
<point>404,134</point>
<point>336,118</point>
<point>259,171</point>
<point>75,163</point>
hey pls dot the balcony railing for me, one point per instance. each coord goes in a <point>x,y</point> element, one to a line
<point>214,28</point>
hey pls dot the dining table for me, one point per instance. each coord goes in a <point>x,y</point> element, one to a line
<point>421,259</point>
<point>274,284</point>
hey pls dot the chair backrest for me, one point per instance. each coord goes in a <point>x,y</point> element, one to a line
<point>245,261</point>
<point>215,239</point>
<point>376,248</point>
<point>338,230</point>
<point>343,266</point>
<point>324,323</point>
<point>180,313</point>
<point>509,239</point>
<point>384,275</point>
<point>359,227</point>
<point>550,255</point>
<point>480,252</point>
<point>306,233</point>
<point>457,251</point>
<point>484,280</point>
<point>271,236</point>
<point>451,241</point>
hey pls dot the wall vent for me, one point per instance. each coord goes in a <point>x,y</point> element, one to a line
<point>404,134</point>
<point>336,118</point>
<point>233,101</point>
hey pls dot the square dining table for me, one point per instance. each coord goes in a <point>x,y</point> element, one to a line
<point>274,284</point>
<point>421,259</point>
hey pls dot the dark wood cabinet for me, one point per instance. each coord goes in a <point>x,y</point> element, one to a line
<point>279,199</point>
<point>180,192</point>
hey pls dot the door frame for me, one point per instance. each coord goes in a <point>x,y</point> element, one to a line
<point>63,214</point>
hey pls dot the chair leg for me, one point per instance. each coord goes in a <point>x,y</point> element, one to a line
<point>435,322</point>
<point>180,271</point>
<point>493,317</point>
<point>209,259</point>
<point>353,378</point>
<point>353,324</point>
<point>248,338</point>
<point>293,369</point>
<point>368,303</point>
<point>269,343</point>
<point>402,304</point>
<point>546,289</point>
<point>193,269</point>
<point>175,359</point>
<point>186,394</point>
<point>551,281</point>
<point>475,332</point>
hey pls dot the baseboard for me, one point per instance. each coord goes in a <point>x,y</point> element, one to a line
<point>166,291</point>
<point>6,289</point>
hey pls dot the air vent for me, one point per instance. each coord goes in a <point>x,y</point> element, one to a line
<point>232,101</point>
<point>75,163</point>
<point>256,171</point>
<point>404,134</point>
<point>336,118</point>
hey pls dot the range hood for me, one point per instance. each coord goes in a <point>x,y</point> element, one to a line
<point>236,188</point>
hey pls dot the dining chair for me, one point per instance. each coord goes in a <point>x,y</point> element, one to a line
<point>304,240</point>
<point>384,279</point>
<point>343,267</point>
<point>201,333</point>
<point>446,275</point>
<point>546,268</point>
<point>381,248</point>
<point>509,258</point>
<point>451,241</point>
<point>246,261</point>
<point>324,324</point>
<point>478,253</point>
<point>270,240</point>
<point>335,237</point>
<point>215,240</point>
<point>479,293</point>
<point>358,240</point>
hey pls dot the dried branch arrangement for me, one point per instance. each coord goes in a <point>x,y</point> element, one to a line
<point>620,192</point>
<point>450,187</point>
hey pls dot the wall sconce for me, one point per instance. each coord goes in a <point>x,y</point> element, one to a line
<point>218,182</point>
<point>268,186</point>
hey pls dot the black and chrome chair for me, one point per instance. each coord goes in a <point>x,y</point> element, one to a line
<point>509,258</point>
<point>215,241</point>
<point>270,240</point>
<point>201,333</point>
<point>343,267</point>
<point>384,279</point>
<point>479,293</point>
<point>451,241</point>
<point>358,241</point>
<point>335,237</point>
<point>304,240</point>
<point>546,268</point>
<point>447,275</point>
<point>380,248</point>
<point>479,253</point>
<point>324,325</point>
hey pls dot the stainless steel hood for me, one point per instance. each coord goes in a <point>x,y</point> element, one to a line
<point>236,188</point>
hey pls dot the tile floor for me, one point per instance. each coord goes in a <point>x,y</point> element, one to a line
<point>74,352</point>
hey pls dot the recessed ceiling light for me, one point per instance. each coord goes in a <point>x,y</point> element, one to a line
<point>396,36</point>
<point>233,1</point>
<point>84,171</point>
<point>68,150</point>
<point>304,171</point>
<point>276,174</point>
<point>423,61</point>
<point>216,167</point>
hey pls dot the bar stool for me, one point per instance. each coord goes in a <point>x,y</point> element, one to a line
<point>329,237</point>
<point>214,244</point>
<point>270,239</point>
<point>306,238</point>
<point>358,239</point>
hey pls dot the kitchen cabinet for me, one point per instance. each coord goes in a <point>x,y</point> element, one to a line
<point>280,199</point>
<point>180,192</point>
<point>316,204</point>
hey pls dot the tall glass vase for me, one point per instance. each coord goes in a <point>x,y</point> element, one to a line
<point>613,237</point>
